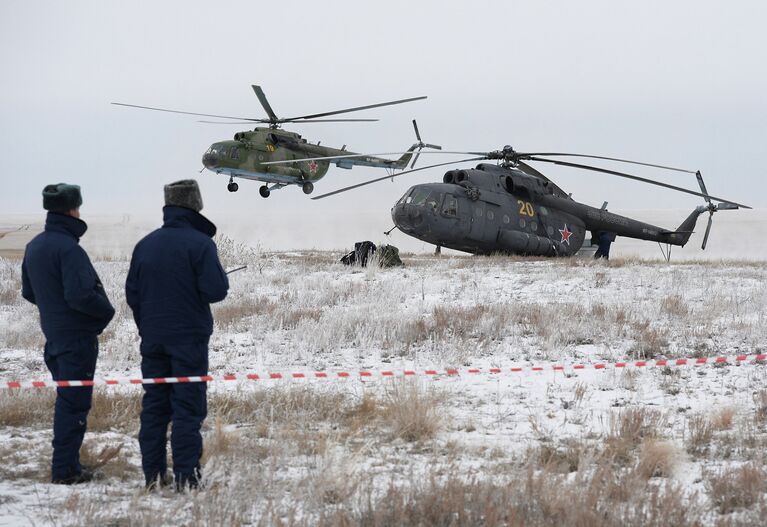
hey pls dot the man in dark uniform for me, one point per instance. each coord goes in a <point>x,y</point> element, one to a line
<point>74,309</point>
<point>605,239</point>
<point>174,276</point>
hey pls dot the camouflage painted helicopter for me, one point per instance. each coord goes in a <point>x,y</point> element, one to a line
<point>245,156</point>
<point>512,208</point>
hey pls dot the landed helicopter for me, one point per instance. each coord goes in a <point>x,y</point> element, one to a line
<point>247,154</point>
<point>510,207</point>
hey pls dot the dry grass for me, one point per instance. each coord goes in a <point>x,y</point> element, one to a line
<point>109,460</point>
<point>657,459</point>
<point>536,498</point>
<point>628,428</point>
<point>736,488</point>
<point>411,410</point>
<point>31,408</point>
<point>723,418</point>
<point>564,458</point>
<point>700,431</point>
<point>649,341</point>
<point>760,410</point>
<point>674,306</point>
<point>114,410</point>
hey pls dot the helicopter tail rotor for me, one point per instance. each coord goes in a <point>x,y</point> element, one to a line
<point>420,144</point>
<point>711,207</point>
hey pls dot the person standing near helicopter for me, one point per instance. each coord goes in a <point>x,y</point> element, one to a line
<point>174,276</point>
<point>58,277</point>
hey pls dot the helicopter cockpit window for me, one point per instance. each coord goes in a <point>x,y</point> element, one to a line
<point>418,196</point>
<point>450,206</point>
<point>224,151</point>
<point>234,153</point>
<point>433,200</point>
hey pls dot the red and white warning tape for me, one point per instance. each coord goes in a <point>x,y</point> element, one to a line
<point>365,374</point>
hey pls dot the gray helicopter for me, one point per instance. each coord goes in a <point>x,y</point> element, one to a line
<point>512,208</point>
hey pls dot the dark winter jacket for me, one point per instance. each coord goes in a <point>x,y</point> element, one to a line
<point>58,276</point>
<point>174,275</point>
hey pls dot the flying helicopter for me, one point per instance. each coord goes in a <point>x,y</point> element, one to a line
<point>245,155</point>
<point>510,207</point>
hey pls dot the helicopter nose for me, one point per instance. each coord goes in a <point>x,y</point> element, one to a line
<point>406,217</point>
<point>210,161</point>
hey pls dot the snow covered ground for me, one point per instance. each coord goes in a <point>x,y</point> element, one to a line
<point>662,446</point>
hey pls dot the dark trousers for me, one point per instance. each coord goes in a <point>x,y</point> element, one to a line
<point>70,361</point>
<point>185,404</point>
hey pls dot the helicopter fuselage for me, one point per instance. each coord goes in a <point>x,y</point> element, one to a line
<point>245,157</point>
<point>493,208</point>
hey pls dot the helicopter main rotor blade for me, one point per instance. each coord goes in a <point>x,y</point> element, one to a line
<point>226,122</point>
<point>636,178</point>
<point>191,113</point>
<point>358,185</point>
<point>335,121</point>
<point>330,158</point>
<point>299,122</point>
<point>356,109</point>
<point>265,103</point>
<point>527,155</point>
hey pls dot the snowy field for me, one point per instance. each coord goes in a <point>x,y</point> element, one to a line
<point>659,446</point>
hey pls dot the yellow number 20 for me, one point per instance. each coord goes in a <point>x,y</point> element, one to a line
<point>526,208</point>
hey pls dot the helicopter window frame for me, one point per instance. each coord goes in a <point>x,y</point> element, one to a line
<point>433,200</point>
<point>234,153</point>
<point>450,206</point>
<point>490,215</point>
<point>419,196</point>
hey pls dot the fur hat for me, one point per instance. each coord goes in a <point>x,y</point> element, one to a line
<point>61,197</point>
<point>184,193</point>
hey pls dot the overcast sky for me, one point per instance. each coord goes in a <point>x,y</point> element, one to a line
<point>680,83</point>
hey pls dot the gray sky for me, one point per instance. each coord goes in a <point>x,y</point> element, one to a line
<point>679,83</point>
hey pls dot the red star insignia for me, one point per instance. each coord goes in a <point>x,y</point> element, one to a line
<point>312,167</point>
<point>565,235</point>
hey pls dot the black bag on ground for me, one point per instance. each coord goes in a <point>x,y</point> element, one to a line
<point>360,255</point>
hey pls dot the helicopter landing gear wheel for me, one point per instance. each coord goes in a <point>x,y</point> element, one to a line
<point>264,191</point>
<point>232,187</point>
<point>307,187</point>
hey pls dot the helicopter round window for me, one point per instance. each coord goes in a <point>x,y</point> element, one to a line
<point>260,157</point>
<point>490,215</point>
<point>478,212</point>
<point>522,222</point>
<point>506,218</point>
<point>543,210</point>
<point>533,226</point>
<point>550,230</point>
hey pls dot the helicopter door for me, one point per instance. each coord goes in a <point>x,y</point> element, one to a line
<point>477,222</point>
